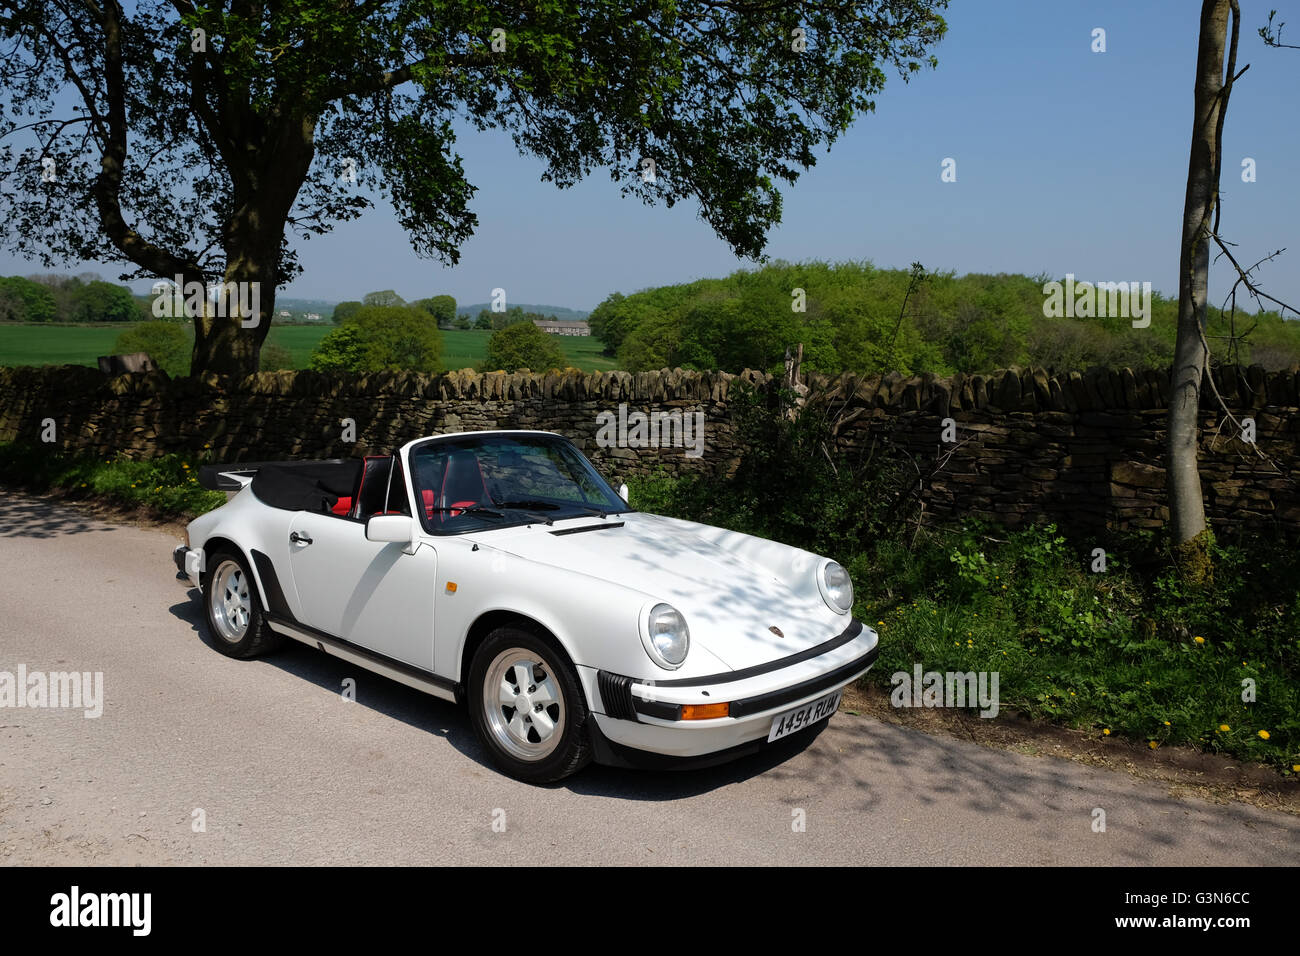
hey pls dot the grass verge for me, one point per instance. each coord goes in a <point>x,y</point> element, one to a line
<point>167,486</point>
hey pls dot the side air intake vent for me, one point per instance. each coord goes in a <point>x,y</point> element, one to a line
<point>616,695</point>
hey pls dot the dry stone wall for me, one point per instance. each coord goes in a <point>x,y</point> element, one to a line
<point>1084,449</point>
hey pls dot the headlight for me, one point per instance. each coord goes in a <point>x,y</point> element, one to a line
<point>836,588</point>
<point>666,636</point>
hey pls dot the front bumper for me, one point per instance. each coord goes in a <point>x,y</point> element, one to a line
<point>646,715</point>
<point>189,563</point>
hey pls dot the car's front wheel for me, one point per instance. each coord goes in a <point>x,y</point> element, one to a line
<point>235,618</point>
<point>527,706</point>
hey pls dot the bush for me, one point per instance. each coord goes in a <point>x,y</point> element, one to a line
<point>381,337</point>
<point>523,345</point>
<point>168,484</point>
<point>785,487</point>
<point>274,358</point>
<point>166,343</point>
<point>339,351</point>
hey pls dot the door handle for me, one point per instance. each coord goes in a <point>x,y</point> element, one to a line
<point>299,538</point>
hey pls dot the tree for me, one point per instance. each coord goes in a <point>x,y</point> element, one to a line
<point>339,351</point>
<point>1187,528</point>
<point>345,310</point>
<point>99,301</point>
<point>483,322</point>
<point>381,337</point>
<point>26,301</point>
<point>205,137</point>
<point>165,342</point>
<point>386,297</point>
<point>1202,206</point>
<point>441,307</point>
<point>523,345</point>
<point>12,306</point>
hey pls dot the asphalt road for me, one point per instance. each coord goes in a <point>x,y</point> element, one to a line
<point>285,771</point>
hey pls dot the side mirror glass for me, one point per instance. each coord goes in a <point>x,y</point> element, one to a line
<point>622,492</point>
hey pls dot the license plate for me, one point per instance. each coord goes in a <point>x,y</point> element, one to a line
<point>793,721</point>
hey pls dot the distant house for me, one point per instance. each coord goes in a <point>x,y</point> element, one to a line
<point>283,313</point>
<point>563,328</point>
<point>313,316</point>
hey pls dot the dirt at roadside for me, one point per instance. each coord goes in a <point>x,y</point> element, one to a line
<point>1184,770</point>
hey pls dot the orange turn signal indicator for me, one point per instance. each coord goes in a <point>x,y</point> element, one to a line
<point>451,587</point>
<point>705,711</point>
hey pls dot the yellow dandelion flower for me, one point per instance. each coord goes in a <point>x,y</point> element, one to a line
<point>1167,724</point>
<point>1263,735</point>
<point>1152,744</point>
<point>1105,732</point>
<point>1224,728</point>
<point>1199,640</point>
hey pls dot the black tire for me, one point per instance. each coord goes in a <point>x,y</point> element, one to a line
<point>227,572</point>
<point>569,744</point>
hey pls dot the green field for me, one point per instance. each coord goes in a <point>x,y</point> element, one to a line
<point>81,345</point>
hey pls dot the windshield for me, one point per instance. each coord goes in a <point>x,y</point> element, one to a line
<point>492,481</point>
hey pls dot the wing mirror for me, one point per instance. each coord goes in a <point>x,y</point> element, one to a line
<point>622,492</point>
<point>393,529</point>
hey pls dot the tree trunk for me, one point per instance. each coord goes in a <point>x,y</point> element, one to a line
<point>222,344</point>
<point>1187,527</point>
<point>267,175</point>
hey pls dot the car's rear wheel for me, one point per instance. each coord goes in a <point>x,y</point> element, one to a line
<point>235,619</point>
<point>527,706</point>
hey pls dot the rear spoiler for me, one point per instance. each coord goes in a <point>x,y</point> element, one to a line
<point>235,475</point>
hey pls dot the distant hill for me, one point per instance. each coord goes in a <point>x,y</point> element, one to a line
<point>559,311</point>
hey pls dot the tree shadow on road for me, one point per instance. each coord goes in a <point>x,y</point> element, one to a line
<point>25,517</point>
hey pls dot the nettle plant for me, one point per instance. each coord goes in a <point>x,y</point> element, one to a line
<point>198,140</point>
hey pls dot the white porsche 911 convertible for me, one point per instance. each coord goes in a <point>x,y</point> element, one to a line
<point>500,569</point>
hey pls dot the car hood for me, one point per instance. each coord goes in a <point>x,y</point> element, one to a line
<point>732,588</point>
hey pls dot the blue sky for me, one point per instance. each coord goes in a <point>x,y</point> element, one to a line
<point>1067,161</point>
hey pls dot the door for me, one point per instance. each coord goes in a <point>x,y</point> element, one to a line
<point>370,593</point>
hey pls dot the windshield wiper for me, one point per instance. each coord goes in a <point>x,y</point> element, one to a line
<point>588,509</point>
<point>535,504</point>
<point>528,503</point>
<point>528,506</point>
<point>471,510</point>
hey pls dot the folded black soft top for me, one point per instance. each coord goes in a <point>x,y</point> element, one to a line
<point>293,485</point>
